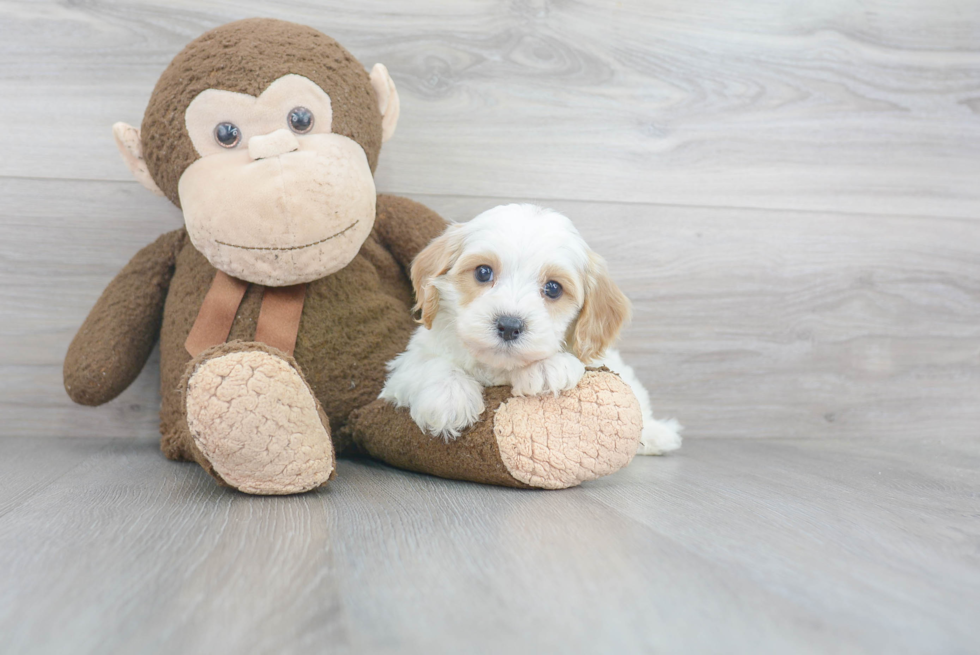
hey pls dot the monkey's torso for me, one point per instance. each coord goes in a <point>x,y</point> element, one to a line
<point>353,322</point>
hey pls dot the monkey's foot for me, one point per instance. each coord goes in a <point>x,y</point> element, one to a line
<point>543,442</point>
<point>255,421</point>
<point>583,434</point>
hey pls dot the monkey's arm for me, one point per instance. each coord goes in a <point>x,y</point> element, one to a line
<point>116,339</point>
<point>406,227</point>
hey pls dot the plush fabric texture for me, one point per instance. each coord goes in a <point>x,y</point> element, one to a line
<point>131,148</point>
<point>389,434</point>
<point>352,322</point>
<point>263,50</point>
<point>539,442</point>
<point>389,103</point>
<point>583,434</point>
<point>116,339</point>
<point>261,120</point>
<point>252,415</point>
<point>272,144</point>
<point>284,220</point>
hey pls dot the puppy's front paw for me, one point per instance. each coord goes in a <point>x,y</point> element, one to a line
<point>446,408</point>
<point>552,375</point>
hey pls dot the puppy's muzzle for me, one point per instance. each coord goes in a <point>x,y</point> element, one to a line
<point>509,327</point>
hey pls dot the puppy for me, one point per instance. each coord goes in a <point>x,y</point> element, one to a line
<point>513,297</point>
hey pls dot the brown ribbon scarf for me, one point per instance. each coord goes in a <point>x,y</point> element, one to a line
<point>278,322</point>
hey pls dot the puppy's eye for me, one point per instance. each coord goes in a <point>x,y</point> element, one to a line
<point>301,120</point>
<point>483,273</point>
<point>552,289</point>
<point>227,135</point>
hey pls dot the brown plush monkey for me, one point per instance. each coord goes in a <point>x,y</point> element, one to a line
<point>279,303</point>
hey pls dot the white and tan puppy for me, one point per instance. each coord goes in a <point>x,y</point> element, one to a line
<point>513,297</point>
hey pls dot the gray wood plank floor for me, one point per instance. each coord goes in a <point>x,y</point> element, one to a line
<point>787,191</point>
<point>730,546</point>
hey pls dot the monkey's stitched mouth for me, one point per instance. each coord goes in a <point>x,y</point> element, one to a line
<point>315,243</point>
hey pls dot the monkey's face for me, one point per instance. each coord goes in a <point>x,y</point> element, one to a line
<point>275,198</point>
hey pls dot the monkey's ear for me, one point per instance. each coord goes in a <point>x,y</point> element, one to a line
<point>131,149</point>
<point>384,88</point>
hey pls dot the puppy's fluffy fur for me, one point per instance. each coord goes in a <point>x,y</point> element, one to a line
<point>505,328</point>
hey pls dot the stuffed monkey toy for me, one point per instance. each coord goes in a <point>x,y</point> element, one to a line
<point>279,302</point>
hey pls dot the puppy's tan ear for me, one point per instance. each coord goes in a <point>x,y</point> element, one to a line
<point>604,313</point>
<point>437,258</point>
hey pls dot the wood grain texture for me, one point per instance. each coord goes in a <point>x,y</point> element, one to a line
<point>870,107</point>
<point>769,546</point>
<point>848,307</point>
<point>748,323</point>
<point>787,191</point>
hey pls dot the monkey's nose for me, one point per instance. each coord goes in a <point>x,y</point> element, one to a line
<point>273,144</point>
<point>509,327</point>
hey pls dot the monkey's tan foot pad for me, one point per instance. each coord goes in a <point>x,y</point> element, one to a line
<point>255,420</point>
<point>558,442</point>
<point>543,442</point>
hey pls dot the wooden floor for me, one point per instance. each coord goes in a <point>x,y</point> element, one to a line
<point>729,546</point>
<point>789,192</point>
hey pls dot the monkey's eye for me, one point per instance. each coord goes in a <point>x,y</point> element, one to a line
<point>552,289</point>
<point>301,120</point>
<point>227,135</point>
<point>483,273</point>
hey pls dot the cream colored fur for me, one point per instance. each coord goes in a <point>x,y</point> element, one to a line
<point>458,351</point>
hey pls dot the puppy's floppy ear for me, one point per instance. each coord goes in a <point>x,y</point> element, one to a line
<point>605,311</point>
<point>437,258</point>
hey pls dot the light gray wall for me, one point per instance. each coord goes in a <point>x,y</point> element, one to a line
<point>789,191</point>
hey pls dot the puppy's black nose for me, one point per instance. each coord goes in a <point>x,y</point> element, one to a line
<point>509,327</point>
